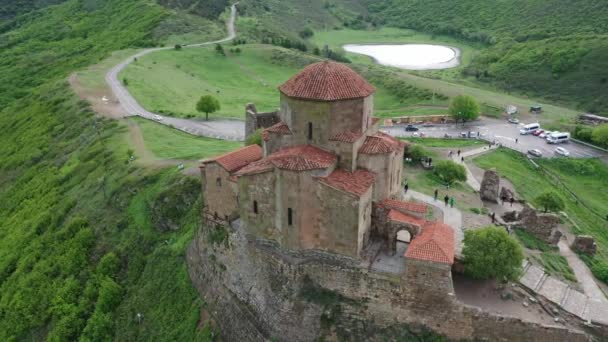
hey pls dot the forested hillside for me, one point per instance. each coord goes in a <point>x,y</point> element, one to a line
<point>552,48</point>
<point>85,253</point>
<point>12,8</point>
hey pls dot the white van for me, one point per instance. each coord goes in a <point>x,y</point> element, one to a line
<point>529,128</point>
<point>558,138</point>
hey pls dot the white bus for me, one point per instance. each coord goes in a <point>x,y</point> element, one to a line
<point>558,138</point>
<point>529,128</point>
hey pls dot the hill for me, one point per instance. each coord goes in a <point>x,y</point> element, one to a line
<point>552,49</point>
<point>11,8</point>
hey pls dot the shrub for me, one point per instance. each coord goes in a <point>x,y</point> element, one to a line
<point>491,253</point>
<point>416,152</point>
<point>255,138</point>
<point>550,201</point>
<point>600,270</point>
<point>450,172</point>
<point>464,108</point>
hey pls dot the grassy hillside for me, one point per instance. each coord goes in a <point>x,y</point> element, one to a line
<point>87,240</point>
<point>550,48</point>
<point>171,82</point>
<point>12,8</point>
<point>586,178</point>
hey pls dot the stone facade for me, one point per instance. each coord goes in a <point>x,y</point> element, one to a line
<point>221,198</point>
<point>255,120</point>
<point>490,185</point>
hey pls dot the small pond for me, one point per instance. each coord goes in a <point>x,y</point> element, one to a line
<point>410,56</point>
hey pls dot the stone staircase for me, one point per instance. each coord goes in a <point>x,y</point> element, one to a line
<point>556,291</point>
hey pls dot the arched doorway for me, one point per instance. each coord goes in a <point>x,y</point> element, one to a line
<point>402,241</point>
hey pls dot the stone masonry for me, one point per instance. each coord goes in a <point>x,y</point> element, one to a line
<point>584,244</point>
<point>490,185</point>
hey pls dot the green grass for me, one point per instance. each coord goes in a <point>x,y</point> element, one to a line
<point>172,81</point>
<point>446,143</point>
<point>532,242</point>
<point>556,265</point>
<point>585,177</point>
<point>167,143</point>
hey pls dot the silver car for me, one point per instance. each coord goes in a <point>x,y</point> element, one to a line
<point>535,152</point>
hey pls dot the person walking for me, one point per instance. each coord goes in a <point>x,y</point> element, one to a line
<point>516,140</point>
<point>493,217</point>
<point>452,202</point>
<point>446,199</point>
<point>450,154</point>
<point>436,194</point>
<point>430,161</point>
<point>462,159</point>
<point>511,200</point>
<point>459,153</point>
<point>406,187</point>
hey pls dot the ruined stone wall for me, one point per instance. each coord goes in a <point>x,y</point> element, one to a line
<point>255,290</point>
<point>544,226</point>
<point>428,282</point>
<point>255,120</point>
<point>220,195</point>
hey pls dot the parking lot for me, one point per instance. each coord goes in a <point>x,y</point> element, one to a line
<point>503,133</point>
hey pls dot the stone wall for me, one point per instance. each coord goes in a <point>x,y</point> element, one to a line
<point>388,168</point>
<point>218,186</point>
<point>255,120</point>
<point>543,226</point>
<point>255,291</point>
<point>490,185</point>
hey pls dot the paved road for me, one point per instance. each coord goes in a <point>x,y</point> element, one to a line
<point>221,129</point>
<point>504,133</point>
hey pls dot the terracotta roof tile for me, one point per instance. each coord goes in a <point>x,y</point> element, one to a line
<point>348,137</point>
<point>435,243</point>
<point>327,81</point>
<point>235,160</point>
<point>279,128</point>
<point>380,143</point>
<point>356,183</point>
<point>296,158</point>
<point>407,206</point>
<point>396,215</point>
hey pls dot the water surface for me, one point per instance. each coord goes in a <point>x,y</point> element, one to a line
<point>410,56</point>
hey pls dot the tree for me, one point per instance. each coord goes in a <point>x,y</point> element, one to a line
<point>255,138</point>
<point>600,135</point>
<point>208,104</point>
<point>306,33</point>
<point>219,49</point>
<point>125,82</point>
<point>178,47</point>
<point>416,152</point>
<point>464,108</point>
<point>450,172</point>
<point>491,253</point>
<point>550,201</point>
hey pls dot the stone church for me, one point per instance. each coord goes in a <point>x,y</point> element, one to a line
<point>325,178</point>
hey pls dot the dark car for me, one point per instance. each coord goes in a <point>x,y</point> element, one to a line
<point>411,128</point>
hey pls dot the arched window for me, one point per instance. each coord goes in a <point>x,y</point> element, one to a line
<point>218,181</point>
<point>255,207</point>
<point>289,216</point>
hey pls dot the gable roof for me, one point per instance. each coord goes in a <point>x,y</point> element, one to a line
<point>356,183</point>
<point>295,158</point>
<point>381,143</point>
<point>279,128</point>
<point>235,160</point>
<point>397,216</point>
<point>348,137</point>
<point>327,81</point>
<point>435,243</point>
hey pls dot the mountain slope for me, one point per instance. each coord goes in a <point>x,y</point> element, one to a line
<point>84,248</point>
<point>551,48</point>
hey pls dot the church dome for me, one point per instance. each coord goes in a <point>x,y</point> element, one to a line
<point>327,81</point>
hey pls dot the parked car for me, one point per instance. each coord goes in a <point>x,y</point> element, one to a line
<point>513,120</point>
<point>447,136</point>
<point>535,152</point>
<point>538,132</point>
<point>158,118</point>
<point>411,128</point>
<point>562,151</point>
<point>544,134</point>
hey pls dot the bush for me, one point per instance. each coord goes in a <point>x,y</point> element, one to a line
<point>464,108</point>
<point>255,138</point>
<point>416,152</point>
<point>550,201</point>
<point>600,270</point>
<point>450,172</point>
<point>491,253</point>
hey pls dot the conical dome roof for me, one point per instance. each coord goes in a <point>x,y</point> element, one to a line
<point>327,81</point>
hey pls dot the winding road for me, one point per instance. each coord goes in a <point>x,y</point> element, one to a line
<point>221,129</point>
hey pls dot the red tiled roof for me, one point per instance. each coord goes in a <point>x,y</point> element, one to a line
<point>296,158</point>
<point>380,143</point>
<point>395,215</point>
<point>405,205</point>
<point>233,161</point>
<point>435,243</point>
<point>327,81</point>
<point>348,137</point>
<point>279,128</point>
<point>356,183</point>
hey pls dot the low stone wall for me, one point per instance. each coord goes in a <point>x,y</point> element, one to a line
<point>255,291</point>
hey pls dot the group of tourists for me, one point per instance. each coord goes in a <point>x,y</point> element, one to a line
<point>448,200</point>
<point>451,153</point>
